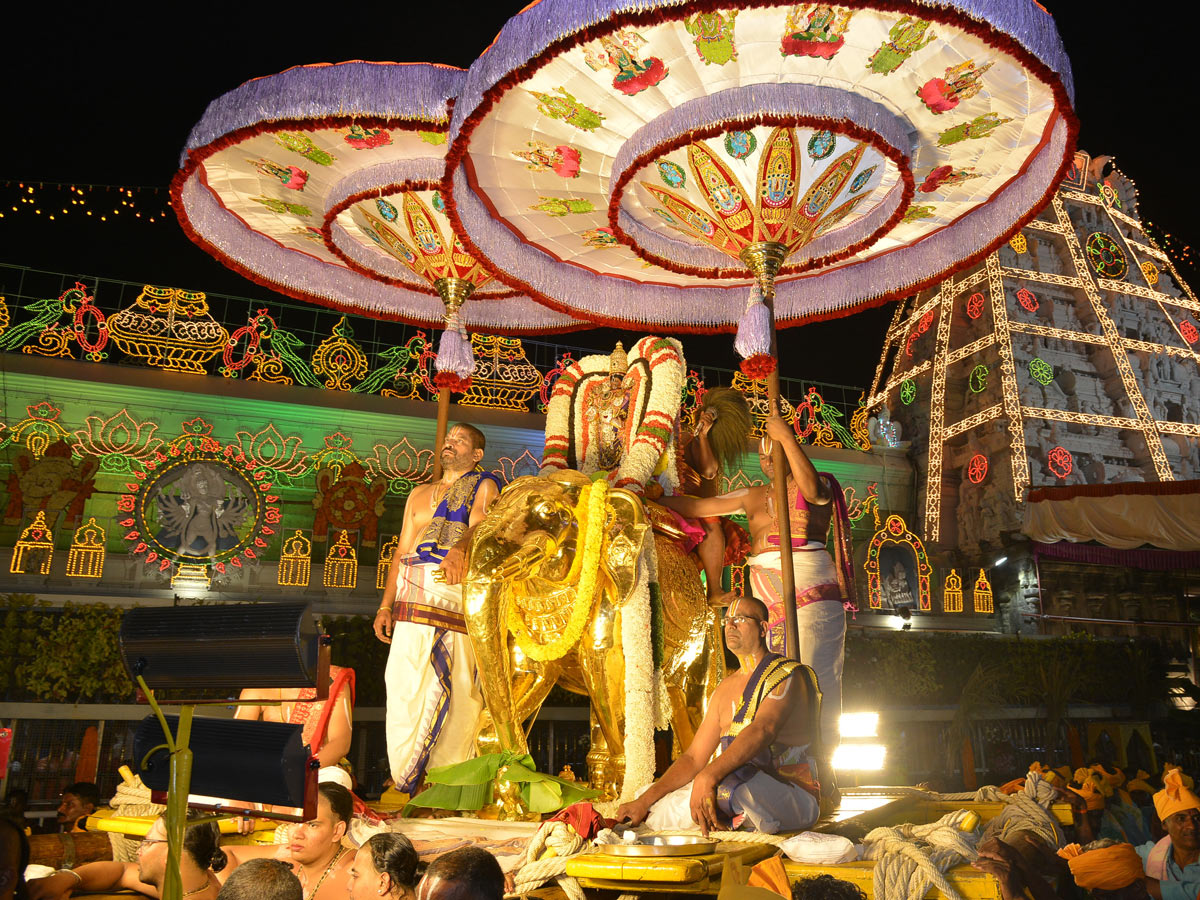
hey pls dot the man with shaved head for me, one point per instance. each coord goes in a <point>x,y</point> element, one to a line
<point>763,719</point>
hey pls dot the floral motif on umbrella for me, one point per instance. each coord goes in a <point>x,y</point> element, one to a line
<point>807,136</point>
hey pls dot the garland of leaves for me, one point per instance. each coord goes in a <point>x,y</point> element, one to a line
<point>591,512</point>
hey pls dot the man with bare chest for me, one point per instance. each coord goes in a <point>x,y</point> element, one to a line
<point>314,848</point>
<point>823,585</point>
<point>763,719</point>
<point>433,698</point>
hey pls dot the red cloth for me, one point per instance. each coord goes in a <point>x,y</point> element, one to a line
<point>583,818</point>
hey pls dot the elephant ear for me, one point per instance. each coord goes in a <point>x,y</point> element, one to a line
<point>626,539</point>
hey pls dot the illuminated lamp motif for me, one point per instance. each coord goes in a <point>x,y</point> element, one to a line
<point>908,391</point>
<point>512,469</point>
<point>39,429</point>
<point>1106,256</point>
<point>983,594</point>
<point>1109,196</point>
<point>979,379</point>
<point>1019,242</point>
<point>975,304</point>
<point>895,531</point>
<point>504,378</point>
<point>1040,370</point>
<point>339,358</point>
<point>384,566</point>
<point>1027,300</point>
<point>86,557</point>
<point>117,441</point>
<point>1060,462</point>
<point>34,550</point>
<point>1189,332</point>
<point>977,468</point>
<point>1150,271</point>
<point>169,328</point>
<point>401,465</point>
<point>755,392</point>
<point>295,561</point>
<point>952,597</point>
<point>341,565</point>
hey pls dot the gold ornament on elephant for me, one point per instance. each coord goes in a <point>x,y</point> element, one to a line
<point>542,628</point>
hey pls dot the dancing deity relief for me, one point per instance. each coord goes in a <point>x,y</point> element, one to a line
<point>906,37</point>
<point>962,82</point>
<point>815,29</point>
<point>562,160</point>
<point>567,109</point>
<point>713,33</point>
<point>289,176</point>
<point>200,511</point>
<point>618,52</point>
<point>979,127</point>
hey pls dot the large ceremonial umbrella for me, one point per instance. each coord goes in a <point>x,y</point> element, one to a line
<point>709,166</point>
<point>322,182</point>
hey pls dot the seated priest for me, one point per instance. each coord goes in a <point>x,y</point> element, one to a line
<point>764,719</point>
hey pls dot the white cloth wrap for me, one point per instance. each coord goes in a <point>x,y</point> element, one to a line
<point>413,689</point>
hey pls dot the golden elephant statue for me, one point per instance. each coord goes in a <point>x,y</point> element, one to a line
<point>558,589</point>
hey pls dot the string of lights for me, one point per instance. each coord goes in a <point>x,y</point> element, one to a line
<point>59,201</point>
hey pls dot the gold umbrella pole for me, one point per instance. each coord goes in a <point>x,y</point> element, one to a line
<point>454,293</point>
<point>764,259</point>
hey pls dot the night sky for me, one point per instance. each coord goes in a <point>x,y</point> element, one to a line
<point>91,98</point>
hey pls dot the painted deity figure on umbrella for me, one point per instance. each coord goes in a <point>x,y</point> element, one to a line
<point>433,697</point>
<point>823,583</point>
<point>763,719</point>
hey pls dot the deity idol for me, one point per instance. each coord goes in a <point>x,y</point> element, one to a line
<point>962,82</point>
<point>713,36</point>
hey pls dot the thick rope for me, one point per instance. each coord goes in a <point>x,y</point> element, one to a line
<point>1026,810</point>
<point>562,842</point>
<point>910,858</point>
<point>132,798</point>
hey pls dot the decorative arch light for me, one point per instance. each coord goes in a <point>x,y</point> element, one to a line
<point>895,531</point>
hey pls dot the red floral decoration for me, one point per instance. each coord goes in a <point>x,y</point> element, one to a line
<point>1189,332</point>
<point>977,468</point>
<point>975,305</point>
<point>1060,462</point>
<point>451,381</point>
<point>1026,298</point>
<point>758,366</point>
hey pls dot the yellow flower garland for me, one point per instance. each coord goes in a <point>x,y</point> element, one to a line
<point>591,511</point>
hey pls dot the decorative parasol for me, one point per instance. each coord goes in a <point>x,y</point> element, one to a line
<point>322,182</point>
<point>712,166</point>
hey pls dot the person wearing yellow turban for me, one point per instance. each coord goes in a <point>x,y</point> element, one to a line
<point>1047,773</point>
<point>1140,782</point>
<point>1103,865</point>
<point>1173,864</point>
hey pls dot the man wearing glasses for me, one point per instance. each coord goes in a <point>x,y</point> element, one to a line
<point>763,720</point>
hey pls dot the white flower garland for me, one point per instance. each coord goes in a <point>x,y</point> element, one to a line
<point>641,698</point>
<point>666,395</point>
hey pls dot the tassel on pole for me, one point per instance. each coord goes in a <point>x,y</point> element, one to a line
<point>455,360</point>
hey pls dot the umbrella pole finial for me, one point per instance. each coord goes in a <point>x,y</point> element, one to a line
<point>764,259</point>
<point>454,293</point>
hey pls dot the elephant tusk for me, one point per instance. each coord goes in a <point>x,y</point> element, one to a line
<point>520,562</point>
